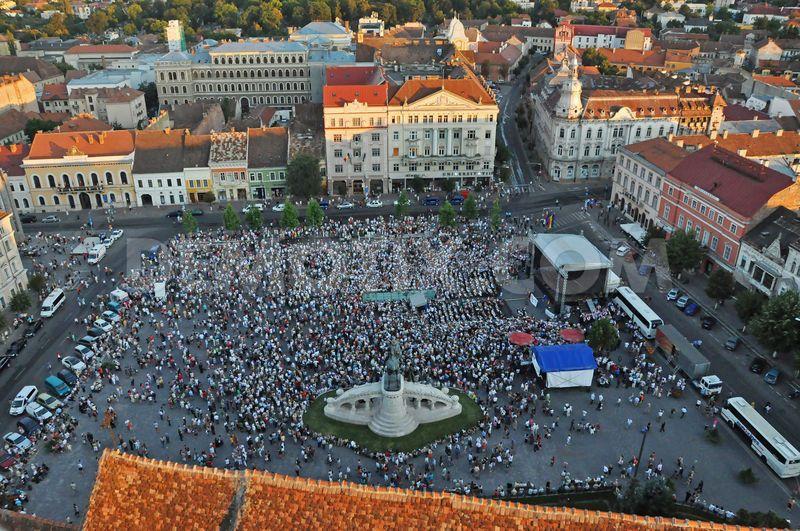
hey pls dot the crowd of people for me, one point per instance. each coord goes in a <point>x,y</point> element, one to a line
<point>256,325</point>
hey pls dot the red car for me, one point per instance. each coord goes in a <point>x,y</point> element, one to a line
<point>7,460</point>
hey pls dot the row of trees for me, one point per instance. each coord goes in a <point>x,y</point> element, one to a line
<point>772,321</point>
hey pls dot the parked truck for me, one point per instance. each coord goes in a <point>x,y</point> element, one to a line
<point>680,352</point>
<point>708,385</point>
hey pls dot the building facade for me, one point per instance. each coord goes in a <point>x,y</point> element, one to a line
<point>196,172</point>
<point>579,132</point>
<point>769,258</point>
<point>379,138</point>
<point>74,171</point>
<point>267,160</point>
<point>719,195</point>
<point>13,277</point>
<point>228,163</point>
<point>158,174</point>
<point>250,73</point>
<point>639,171</point>
<point>16,92</point>
<point>123,107</point>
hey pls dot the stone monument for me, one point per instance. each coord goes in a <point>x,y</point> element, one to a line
<point>392,407</point>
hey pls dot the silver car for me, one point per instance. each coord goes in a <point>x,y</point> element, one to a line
<point>17,441</point>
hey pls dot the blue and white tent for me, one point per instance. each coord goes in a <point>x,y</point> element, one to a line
<point>565,365</point>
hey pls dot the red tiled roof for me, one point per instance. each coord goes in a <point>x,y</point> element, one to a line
<point>54,91</point>
<point>416,89</point>
<point>100,48</point>
<point>587,30</point>
<point>11,158</point>
<point>659,152</point>
<point>353,75</point>
<point>83,123</point>
<point>775,81</point>
<point>763,145</point>
<point>741,185</point>
<point>620,56</point>
<point>103,144</point>
<point>738,112</point>
<point>338,95</point>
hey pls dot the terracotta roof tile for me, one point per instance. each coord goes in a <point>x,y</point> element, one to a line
<point>100,48</point>
<point>742,185</point>
<point>11,158</point>
<point>54,91</point>
<point>764,145</point>
<point>136,493</point>
<point>105,143</point>
<point>83,122</point>
<point>659,152</point>
<point>338,95</point>
<point>775,81</point>
<point>416,89</point>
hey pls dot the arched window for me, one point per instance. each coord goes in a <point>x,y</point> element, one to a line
<point>36,182</point>
<point>51,181</point>
<point>16,203</point>
<point>65,178</point>
<point>25,203</point>
<point>123,177</point>
<point>109,178</point>
<point>95,181</point>
<point>56,200</point>
<point>113,198</point>
<point>41,200</point>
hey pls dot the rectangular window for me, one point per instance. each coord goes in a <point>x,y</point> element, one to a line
<point>376,152</point>
<point>680,221</point>
<point>714,242</point>
<point>666,211</point>
<point>338,168</point>
<point>726,254</point>
<point>376,137</point>
<point>337,138</point>
<point>488,134</point>
<point>337,153</point>
<point>357,168</point>
<point>396,135</point>
<point>395,152</point>
<point>376,167</point>
<point>734,228</point>
<point>455,150</point>
<point>470,134</point>
<point>395,167</point>
<point>356,122</point>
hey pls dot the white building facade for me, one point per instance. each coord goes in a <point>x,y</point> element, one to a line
<point>13,277</point>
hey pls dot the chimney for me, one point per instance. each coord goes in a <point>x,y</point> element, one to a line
<point>754,134</point>
<point>779,132</point>
<point>713,135</point>
<point>725,134</point>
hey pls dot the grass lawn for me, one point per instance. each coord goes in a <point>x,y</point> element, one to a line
<point>316,420</point>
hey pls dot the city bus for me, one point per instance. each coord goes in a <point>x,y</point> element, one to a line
<point>765,440</point>
<point>646,319</point>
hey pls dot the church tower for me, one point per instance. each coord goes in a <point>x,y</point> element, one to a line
<point>569,104</point>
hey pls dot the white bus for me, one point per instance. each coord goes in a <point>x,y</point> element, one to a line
<point>646,319</point>
<point>52,303</point>
<point>765,440</point>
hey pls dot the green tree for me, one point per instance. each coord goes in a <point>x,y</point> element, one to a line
<point>651,497</point>
<point>253,218</point>
<point>494,215</point>
<point>302,176</point>
<point>720,285</point>
<point>209,197</point>
<point>289,218</point>
<point>447,215</point>
<point>448,185</point>
<point>189,222</point>
<point>470,207</point>
<point>748,304</point>
<point>314,214</point>
<point>418,184</point>
<point>37,283</point>
<point>20,301</point>
<point>150,96</point>
<point>776,326</point>
<point>401,208</point>
<point>603,336</point>
<point>97,22</point>
<point>230,219</point>
<point>683,252</point>
<point>56,26</point>
<point>592,57</point>
<point>653,231</point>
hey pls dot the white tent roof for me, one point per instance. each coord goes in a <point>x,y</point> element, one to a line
<point>570,252</point>
<point>635,230</point>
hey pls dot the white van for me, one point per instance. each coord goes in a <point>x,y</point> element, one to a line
<point>96,254</point>
<point>119,295</point>
<point>52,303</point>
<point>26,396</point>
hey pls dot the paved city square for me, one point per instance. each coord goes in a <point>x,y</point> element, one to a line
<point>257,325</point>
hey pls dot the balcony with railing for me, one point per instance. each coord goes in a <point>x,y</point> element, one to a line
<point>79,189</point>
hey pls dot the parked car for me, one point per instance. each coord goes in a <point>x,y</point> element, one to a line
<point>374,203</point>
<point>683,301</point>
<point>58,385</point>
<point>74,364</point>
<point>623,250</point>
<point>39,412</point>
<point>732,343</point>
<point>256,206</point>
<point>7,460</point>
<point>5,361</point>
<point>457,200</point>
<point>16,347</point>
<point>103,325</point>
<point>280,207</point>
<point>33,328</point>
<point>110,316</point>
<point>27,218</point>
<point>691,309</point>
<point>708,322</point>
<point>758,365</point>
<point>116,234</point>
<point>17,441</point>
<point>50,219</point>
<point>673,294</point>
<point>67,377</point>
<point>324,203</point>
<point>25,396</point>
<point>28,426</point>
<point>95,332</point>
<point>345,205</point>
<point>49,401</point>
<point>431,201</point>
<point>175,214</point>
<point>772,375</point>
<point>84,352</point>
